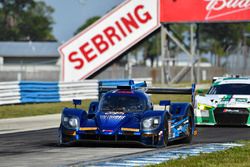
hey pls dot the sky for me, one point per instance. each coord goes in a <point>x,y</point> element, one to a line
<point>69,15</point>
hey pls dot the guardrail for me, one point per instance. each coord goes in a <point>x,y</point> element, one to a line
<point>43,92</point>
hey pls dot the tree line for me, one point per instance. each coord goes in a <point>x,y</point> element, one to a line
<point>23,20</point>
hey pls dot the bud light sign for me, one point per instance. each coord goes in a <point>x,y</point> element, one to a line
<point>205,10</point>
<point>108,38</point>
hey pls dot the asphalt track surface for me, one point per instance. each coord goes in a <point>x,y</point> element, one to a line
<point>39,148</point>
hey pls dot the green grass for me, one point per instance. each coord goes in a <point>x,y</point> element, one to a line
<point>22,110</point>
<point>234,157</point>
<point>181,84</point>
<point>172,98</point>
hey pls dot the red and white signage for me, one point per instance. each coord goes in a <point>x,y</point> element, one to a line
<point>108,38</point>
<point>205,10</point>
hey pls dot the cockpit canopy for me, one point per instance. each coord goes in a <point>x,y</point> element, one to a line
<point>124,101</point>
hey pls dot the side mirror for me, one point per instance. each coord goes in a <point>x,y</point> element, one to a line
<point>165,103</point>
<point>77,102</point>
<point>93,107</point>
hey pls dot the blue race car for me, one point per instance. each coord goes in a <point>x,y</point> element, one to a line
<point>125,113</point>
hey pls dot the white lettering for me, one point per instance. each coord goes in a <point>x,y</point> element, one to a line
<point>217,5</point>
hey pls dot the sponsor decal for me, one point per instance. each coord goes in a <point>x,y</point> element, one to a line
<point>205,11</point>
<point>115,117</point>
<point>170,129</point>
<point>202,113</point>
<point>231,110</point>
<point>114,113</point>
<point>108,131</point>
<point>241,100</point>
<point>220,8</point>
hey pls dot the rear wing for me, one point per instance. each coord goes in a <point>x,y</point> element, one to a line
<point>108,85</point>
<point>224,77</point>
<point>185,91</point>
<point>176,91</point>
<point>218,79</point>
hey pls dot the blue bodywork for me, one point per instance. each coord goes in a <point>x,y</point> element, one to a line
<point>124,113</point>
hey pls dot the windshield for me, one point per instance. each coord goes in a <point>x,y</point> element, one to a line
<point>230,89</point>
<point>122,103</point>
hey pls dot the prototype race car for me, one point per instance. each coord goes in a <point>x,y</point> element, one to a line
<point>124,113</point>
<point>227,102</point>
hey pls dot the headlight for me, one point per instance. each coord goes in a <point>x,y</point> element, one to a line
<point>151,123</point>
<point>204,107</point>
<point>73,122</point>
<point>147,123</point>
<point>70,122</point>
<point>65,119</point>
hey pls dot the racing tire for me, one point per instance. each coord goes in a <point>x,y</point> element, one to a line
<point>60,141</point>
<point>165,132</point>
<point>188,138</point>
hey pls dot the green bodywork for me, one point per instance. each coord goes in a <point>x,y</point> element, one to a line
<point>248,121</point>
<point>210,120</point>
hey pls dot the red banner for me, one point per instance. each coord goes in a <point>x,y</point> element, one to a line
<point>205,10</point>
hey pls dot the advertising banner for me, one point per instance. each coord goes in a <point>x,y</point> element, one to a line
<point>204,10</point>
<point>108,38</point>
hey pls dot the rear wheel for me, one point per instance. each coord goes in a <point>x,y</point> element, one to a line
<point>189,134</point>
<point>165,132</point>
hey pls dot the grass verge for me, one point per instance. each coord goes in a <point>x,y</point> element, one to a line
<point>234,157</point>
<point>22,110</point>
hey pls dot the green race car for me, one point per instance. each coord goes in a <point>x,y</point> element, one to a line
<point>227,102</point>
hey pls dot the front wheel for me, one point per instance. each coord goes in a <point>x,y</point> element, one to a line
<point>60,141</point>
